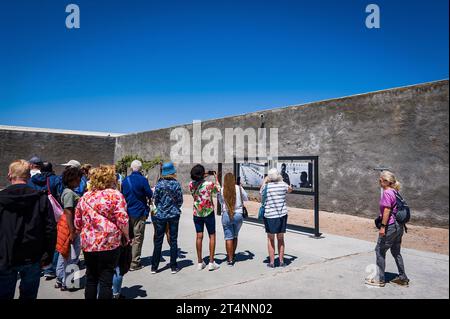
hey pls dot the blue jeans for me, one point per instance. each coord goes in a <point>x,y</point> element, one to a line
<point>30,276</point>
<point>52,269</point>
<point>160,232</point>
<point>117,282</point>
<point>231,227</point>
<point>62,267</point>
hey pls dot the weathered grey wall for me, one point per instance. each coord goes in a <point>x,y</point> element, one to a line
<point>404,129</point>
<point>56,148</point>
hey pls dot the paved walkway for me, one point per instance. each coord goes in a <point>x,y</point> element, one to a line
<point>329,267</point>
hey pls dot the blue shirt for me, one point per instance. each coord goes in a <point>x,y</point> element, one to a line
<point>82,187</point>
<point>136,190</point>
<point>39,183</point>
<point>168,198</point>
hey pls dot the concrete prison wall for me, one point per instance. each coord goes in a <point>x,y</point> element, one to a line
<point>403,129</point>
<point>54,146</point>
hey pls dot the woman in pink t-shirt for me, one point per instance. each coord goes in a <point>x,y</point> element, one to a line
<point>390,234</point>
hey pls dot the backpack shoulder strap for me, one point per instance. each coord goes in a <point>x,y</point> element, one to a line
<point>165,190</point>
<point>195,193</point>
<point>48,185</point>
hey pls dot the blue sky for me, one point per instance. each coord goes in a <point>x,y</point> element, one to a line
<point>139,65</point>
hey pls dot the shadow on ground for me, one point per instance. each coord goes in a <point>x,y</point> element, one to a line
<point>134,292</point>
<point>147,261</point>
<point>288,259</point>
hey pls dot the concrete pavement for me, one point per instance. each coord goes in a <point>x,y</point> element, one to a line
<point>329,267</point>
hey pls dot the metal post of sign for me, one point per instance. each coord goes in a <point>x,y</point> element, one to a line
<point>316,197</point>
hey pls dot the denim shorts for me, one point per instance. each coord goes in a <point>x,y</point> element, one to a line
<point>208,221</point>
<point>231,227</point>
<point>275,225</point>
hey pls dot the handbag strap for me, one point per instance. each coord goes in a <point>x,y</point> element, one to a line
<point>170,195</point>
<point>48,185</point>
<point>101,214</point>
<point>131,186</point>
<point>195,193</point>
<point>240,193</point>
<point>265,195</point>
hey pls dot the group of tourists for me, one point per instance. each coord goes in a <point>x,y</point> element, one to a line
<point>47,220</point>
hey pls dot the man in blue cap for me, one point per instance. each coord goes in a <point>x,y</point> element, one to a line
<point>168,201</point>
<point>137,192</point>
<point>35,165</point>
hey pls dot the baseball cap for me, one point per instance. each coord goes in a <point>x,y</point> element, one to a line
<point>72,163</point>
<point>35,160</point>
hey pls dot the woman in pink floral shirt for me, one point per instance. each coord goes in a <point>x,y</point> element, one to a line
<point>101,217</point>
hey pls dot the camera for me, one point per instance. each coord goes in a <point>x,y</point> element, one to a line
<point>211,172</point>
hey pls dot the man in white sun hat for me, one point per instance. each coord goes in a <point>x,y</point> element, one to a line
<point>72,163</point>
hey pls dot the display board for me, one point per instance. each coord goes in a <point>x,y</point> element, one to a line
<point>252,173</point>
<point>300,172</point>
<point>297,173</point>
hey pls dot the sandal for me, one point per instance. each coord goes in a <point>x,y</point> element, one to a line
<point>401,282</point>
<point>374,282</point>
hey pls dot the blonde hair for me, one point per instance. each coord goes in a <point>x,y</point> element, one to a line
<point>390,178</point>
<point>174,176</point>
<point>19,169</point>
<point>103,177</point>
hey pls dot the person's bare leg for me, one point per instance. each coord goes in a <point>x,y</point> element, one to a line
<point>229,247</point>
<point>235,243</point>
<point>271,247</point>
<point>198,245</point>
<point>168,235</point>
<point>280,240</point>
<point>212,247</point>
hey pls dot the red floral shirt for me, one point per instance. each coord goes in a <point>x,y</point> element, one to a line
<point>203,202</point>
<point>99,216</point>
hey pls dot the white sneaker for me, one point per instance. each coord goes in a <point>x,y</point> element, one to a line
<point>213,266</point>
<point>201,266</point>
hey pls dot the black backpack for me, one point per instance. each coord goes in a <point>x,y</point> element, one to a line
<point>403,212</point>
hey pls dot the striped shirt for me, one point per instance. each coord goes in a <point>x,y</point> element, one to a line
<point>276,200</point>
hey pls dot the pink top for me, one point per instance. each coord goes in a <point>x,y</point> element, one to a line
<point>388,200</point>
<point>99,216</point>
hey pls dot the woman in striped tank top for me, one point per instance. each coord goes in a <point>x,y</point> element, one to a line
<point>275,216</point>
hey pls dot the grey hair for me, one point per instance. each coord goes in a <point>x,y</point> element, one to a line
<point>274,176</point>
<point>136,165</point>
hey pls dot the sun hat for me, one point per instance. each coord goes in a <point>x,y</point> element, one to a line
<point>168,169</point>
<point>72,163</point>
